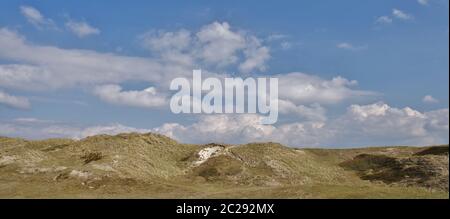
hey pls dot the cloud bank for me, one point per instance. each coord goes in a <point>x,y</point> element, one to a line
<point>377,123</point>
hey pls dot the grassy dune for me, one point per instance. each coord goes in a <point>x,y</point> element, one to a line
<point>154,166</point>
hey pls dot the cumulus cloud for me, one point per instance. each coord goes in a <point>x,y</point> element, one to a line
<point>303,88</point>
<point>33,128</point>
<point>35,17</point>
<point>112,129</point>
<point>81,29</point>
<point>315,112</point>
<point>244,128</point>
<point>14,101</point>
<point>175,47</point>
<point>361,125</point>
<point>220,43</point>
<point>215,45</point>
<point>401,15</point>
<point>429,99</point>
<point>382,124</point>
<point>219,128</point>
<point>145,98</point>
<point>256,56</point>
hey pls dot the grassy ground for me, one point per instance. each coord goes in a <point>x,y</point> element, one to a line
<point>10,189</point>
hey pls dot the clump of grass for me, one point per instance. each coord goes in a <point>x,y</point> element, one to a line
<point>91,156</point>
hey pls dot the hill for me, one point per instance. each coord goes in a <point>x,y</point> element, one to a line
<point>155,166</point>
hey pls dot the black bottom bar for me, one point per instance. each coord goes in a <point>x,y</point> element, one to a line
<point>228,207</point>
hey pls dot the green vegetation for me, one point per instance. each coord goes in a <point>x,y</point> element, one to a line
<point>155,166</point>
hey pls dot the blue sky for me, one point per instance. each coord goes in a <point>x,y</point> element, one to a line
<point>396,50</point>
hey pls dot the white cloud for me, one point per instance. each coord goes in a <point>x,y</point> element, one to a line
<point>429,99</point>
<point>145,98</point>
<point>14,101</point>
<point>175,47</point>
<point>437,121</point>
<point>315,112</point>
<point>396,13</point>
<point>423,2</point>
<point>220,43</point>
<point>216,45</point>
<point>26,77</point>
<point>219,128</point>
<point>167,41</point>
<point>64,68</point>
<point>301,88</point>
<point>344,46</point>
<point>384,20</point>
<point>33,128</point>
<point>36,18</point>
<point>30,120</point>
<point>81,29</point>
<point>401,15</point>
<point>256,56</point>
<point>349,46</point>
<point>381,124</point>
<point>242,129</point>
<point>361,125</point>
<point>112,129</point>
